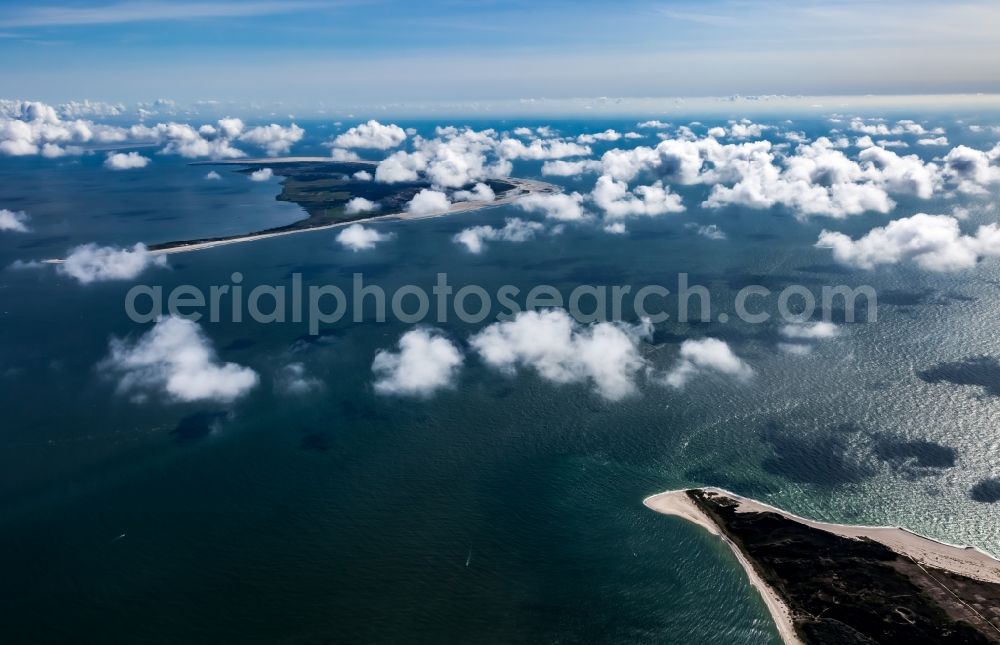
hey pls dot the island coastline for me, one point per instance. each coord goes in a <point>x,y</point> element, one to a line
<point>520,187</point>
<point>930,556</point>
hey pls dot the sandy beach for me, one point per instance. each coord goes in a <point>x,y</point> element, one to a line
<point>966,561</point>
<point>522,187</point>
<point>679,504</point>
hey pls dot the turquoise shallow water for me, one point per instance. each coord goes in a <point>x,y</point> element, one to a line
<point>505,510</point>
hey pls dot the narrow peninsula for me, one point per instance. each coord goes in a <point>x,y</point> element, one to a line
<point>837,583</point>
<point>323,187</point>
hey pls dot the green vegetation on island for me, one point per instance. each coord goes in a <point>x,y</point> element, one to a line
<point>323,190</point>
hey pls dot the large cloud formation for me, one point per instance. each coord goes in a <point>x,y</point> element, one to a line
<point>34,128</point>
<point>560,350</point>
<point>425,362</point>
<point>453,159</point>
<point>176,359</point>
<point>92,263</point>
<point>458,157</point>
<point>933,242</point>
<point>817,178</point>
<point>607,356</point>
<point>31,128</point>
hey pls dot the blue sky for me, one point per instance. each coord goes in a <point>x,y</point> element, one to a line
<point>370,51</point>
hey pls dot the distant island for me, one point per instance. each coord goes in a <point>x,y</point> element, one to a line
<point>323,187</point>
<point>836,583</point>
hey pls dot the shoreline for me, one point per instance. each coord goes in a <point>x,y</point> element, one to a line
<point>966,561</point>
<point>678,504</point>
<point>521,188</point>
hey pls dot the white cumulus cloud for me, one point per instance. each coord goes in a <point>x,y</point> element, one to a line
<point>427,202</point>
<point>263,174</point>
<point>972,169</point>
<point>425,362</point>
<point>14,221</point>
<point>560,168</point>
<point>360,205</point>
<point>32,127</point>
<point>453,159</point>
<point>176,358</point>
<point>358,238</point>
<point>479,193</point>
<point>615,199</point>
<point>558,206</point>
<point>560,350</point>
<point>933,141</point>
<point>371,135</point>
<point>746,129</point>
<point>541,149</point>
<point>126,161</point>
<point>933,242</point>
<point>274,139</point>
<point>607,135</point>
<point>706,355</point>
<point>514,230</point>
<point>92,263</point>
<point>810,331</point>
<point>340,154</point>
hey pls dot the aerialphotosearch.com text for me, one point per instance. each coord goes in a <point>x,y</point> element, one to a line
<point>327,304</point>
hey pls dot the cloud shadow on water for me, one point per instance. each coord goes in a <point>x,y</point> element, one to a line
<point>982,371</point>
<point>987,491</point>
<point>197,426</point>
<point>917,457</point>
<point>823,459</point>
